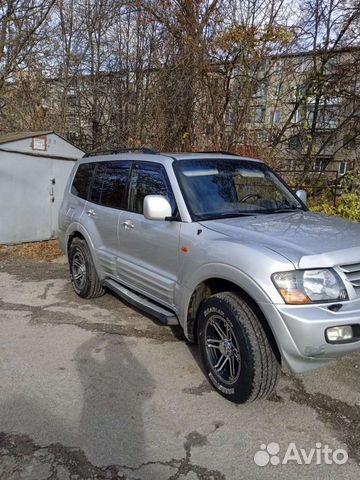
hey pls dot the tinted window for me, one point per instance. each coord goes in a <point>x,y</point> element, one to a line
<point>114,184</point>
<point>98,182</point>
<point>109,184</point>
<point>148,180</point>
<point>82,180</point>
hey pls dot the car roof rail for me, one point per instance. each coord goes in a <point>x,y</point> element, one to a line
<point>145,150</point>
<point>223,152</point>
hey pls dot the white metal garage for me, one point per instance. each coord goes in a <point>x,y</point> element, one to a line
<point>34,168</point>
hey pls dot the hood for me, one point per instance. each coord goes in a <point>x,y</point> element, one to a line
<point>306,239</point>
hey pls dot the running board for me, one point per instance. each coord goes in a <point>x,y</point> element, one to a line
<point>165,316</point>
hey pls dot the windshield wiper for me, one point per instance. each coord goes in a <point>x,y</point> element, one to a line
<point>253,213</point>
<point>284,210</point>
<point>228,215</point>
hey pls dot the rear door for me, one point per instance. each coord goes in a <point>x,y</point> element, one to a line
<point>149,249</point>
<point>107,197</point>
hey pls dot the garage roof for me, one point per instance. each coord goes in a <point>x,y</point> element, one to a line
<point>14,136</point>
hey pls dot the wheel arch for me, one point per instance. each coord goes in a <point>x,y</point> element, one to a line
<point>76,230</point>
<point>213,285</point>
<point>74,234</point>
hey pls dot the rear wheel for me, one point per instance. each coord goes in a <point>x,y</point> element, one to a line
<point>235,351</point>
<point>84,277</point>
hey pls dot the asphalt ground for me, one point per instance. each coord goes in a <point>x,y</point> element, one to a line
<point>93,389</point>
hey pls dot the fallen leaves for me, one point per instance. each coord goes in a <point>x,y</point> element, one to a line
<point>48,250</point>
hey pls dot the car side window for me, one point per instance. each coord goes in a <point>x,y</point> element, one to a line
<point>96,188</point>
<point>109,185</point>
<point>149,179</point>
<point>114,184</point>
<point>82,180</point>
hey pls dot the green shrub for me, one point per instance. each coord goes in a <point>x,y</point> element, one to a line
<point>347,207</point>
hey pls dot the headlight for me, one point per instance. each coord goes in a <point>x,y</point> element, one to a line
<point>299,287</point>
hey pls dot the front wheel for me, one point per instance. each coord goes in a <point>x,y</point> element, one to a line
<point>235,351</point>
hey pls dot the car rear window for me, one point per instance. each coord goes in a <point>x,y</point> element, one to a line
<point>82,180</point>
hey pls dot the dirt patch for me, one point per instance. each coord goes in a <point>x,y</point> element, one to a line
<point>45,251</point>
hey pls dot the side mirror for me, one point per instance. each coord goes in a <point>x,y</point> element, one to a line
<point>156,207</point>
<point>302,195</point>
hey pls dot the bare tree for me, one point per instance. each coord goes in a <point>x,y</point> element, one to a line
<point>22,39</point>
<point>184,28</point>
<point>324,110</point>
<point>185,75</point>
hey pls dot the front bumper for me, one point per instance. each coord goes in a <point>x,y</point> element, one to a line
<point>300,332</point>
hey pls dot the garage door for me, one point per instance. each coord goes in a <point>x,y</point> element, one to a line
<point>26,198</point>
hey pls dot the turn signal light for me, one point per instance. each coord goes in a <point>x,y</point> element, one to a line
<point>294,297</point>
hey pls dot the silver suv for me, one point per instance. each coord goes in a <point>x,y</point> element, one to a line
<point>220,245</point>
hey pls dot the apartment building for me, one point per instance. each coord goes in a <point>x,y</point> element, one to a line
<point>301,108</point>
<point>307,106</point>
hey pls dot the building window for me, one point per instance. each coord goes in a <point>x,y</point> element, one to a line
<point>318,166</point>
<point>279,90</point>
<point>299,93</point>
<point>259,114</point>
<point>329,118</point>
<point>71,92</point>
<point>296,118</point>
<point>276,117</point>
<point>294,142</point>
<point>326,117</point>
<point>294,164</point>
<point>342,168</point>
<point>260,90</point>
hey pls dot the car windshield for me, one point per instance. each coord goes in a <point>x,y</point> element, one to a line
<point>220,188</point>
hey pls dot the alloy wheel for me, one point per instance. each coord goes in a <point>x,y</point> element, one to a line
<point>78,269</point>
<point>222,349</point>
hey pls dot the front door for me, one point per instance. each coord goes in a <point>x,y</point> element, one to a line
<point>148,249</point>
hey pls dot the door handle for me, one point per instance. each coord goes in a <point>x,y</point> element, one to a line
<point>128,225</point>
<point>91,212</point>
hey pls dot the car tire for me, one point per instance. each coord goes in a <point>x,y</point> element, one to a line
<point>236,354</point>
<point>84,278</point>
